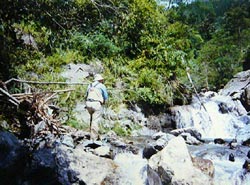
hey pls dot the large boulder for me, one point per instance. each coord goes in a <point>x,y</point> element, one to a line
<point>174,163</point>
<point>13,157</point>
<point>78,166</point>
<point>239,88</point>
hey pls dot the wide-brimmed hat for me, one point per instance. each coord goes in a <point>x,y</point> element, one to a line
<point>98,77</point>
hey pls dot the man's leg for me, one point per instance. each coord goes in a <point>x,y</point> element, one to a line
<point>96,120</point>
<point>94,109</point>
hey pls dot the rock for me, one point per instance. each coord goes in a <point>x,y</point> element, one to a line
<point>245,119</point>
<point>103,151</point>
<point>160,143</point>
<point>248,154</point>
<point>158,135</point>
<point>205,165</point>
<point>241,177</point>
<point>39,127</point>
<point>239,88</point>
<point>232,144</point>
<point>177,165</point>
<point>68,141</point>
<point>79,135</point>
<point>131,169</point>
<point>219,141</point>
<point>190,139</point>
<point>85,168</point>
<point>246,142</point>
<point>153,177</point>
<point>13,157</point>
<point>246,97</point>
<point>246,165</point>
<point>191,130</point>
<point>92,144</point>
<point>154,123</point>
<point>231,157</point>
<point>43,167</point>
<point>148,152</point>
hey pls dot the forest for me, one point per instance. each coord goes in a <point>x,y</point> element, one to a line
<point>150,48</point>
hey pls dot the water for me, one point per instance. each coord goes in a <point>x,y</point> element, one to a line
<point>217,117</point>
<point>226,172</point>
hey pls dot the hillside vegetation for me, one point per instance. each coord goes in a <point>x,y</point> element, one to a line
<point>145,46</point>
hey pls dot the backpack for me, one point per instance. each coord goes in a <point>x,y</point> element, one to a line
<point>94,93</point>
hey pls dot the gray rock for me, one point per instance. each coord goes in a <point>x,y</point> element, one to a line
<point>68,141</point>
<point>175,158</point>
<point>239,88</point>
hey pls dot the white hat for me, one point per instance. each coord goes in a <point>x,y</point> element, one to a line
<point>98,77</point>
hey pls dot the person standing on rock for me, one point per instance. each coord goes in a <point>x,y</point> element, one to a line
<point>97,95</point>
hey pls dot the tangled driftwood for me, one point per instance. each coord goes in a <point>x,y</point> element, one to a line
<point>33,113</point>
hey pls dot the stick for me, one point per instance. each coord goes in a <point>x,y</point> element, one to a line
<point>46,83</point>
<point>202,104</point>
<point>14,100</point>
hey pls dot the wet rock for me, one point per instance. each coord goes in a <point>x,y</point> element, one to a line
<point>158,135</point>
<point>246,165</point>
<point>231,157</point>
<point>205,165</point>
<point>191,130</point>
<point>246,142</point>
<point>248,154</point>
<point>190,139</point>
<point>245,119</point>
<point>153,177</point>
<point>232,144</point>
<point>118,143</point>
<point>148,152</point>
<point>219,141</point>
<point>175,157</point>
<point>223,108</point>
<point>238,88</point>
<point>160,143</point>
<point>154,123</point>
<point>166,174</point>
<point>246,97</point>
<point>73,176</point>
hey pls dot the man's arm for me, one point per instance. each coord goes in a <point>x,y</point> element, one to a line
<point>104,93</point>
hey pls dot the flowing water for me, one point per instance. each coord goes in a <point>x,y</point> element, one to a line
<point>214,117</point>
<point>219,117</point>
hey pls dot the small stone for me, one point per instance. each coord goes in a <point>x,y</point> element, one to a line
<point>231,157</point>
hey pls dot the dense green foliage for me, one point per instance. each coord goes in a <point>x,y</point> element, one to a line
<point>145,46</point>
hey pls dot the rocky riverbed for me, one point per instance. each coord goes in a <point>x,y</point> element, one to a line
<point>185,145</point>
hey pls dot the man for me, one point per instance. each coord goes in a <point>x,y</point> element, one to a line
<point>97,95</point>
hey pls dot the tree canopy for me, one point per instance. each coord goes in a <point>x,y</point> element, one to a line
<point>147,46</point>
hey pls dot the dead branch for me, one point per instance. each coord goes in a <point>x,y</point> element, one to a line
<point>13,100</point>
<point>44,83</point>
<point>34,114</point>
